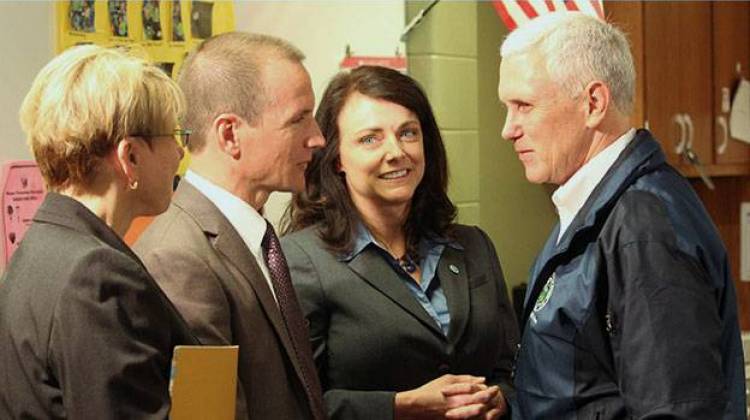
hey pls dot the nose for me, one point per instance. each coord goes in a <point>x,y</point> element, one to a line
<point>316,139</point>
<point>393,148</point>
<point>511,130</point>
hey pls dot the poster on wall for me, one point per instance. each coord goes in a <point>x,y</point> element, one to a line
<point>178,30</point>
<point>151,20</point>
<point>201,19</point>
<point>22,193</point>
<point>118,17</point>
<point>82,15</point>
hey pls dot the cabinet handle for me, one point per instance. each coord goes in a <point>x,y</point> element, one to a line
<point>689,125</point>
<point>680,148</point>
<point>721,121</point>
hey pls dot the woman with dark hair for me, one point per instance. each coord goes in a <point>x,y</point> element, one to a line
<point>409,314</point>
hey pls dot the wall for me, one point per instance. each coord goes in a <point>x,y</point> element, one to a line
<point>26,40</point>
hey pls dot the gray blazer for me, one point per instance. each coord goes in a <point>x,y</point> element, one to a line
<point>85,332</point>
<point>370,336</point>
<point>205,268</point>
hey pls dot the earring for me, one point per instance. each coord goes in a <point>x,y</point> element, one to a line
<point>133,185</point>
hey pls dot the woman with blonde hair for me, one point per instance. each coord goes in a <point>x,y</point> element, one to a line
<point>85,332</point>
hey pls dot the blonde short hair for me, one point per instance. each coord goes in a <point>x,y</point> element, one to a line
<point>224,75</point>
<point>87,99</point>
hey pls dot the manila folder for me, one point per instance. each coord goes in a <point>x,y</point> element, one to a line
<point>204,382</point>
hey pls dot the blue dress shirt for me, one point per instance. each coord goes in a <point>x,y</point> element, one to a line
<point>428,292</point>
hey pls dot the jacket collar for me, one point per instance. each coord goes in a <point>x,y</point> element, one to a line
<point>365,260</point>
<point>641,156</point>
<point>65,211</point>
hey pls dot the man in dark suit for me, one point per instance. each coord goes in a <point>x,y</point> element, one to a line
<point>250,106</point>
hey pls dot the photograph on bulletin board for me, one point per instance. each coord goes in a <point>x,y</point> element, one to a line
<point>178,30</point>
<point>201,21</point>
<point>118,17</point>
<point>82,15</point>
<point>166,67</point>
<point>151,20</point>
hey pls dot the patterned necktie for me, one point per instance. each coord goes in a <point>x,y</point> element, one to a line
<point>293,319</point>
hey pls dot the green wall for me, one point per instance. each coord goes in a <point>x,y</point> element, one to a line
<point>454,55</point>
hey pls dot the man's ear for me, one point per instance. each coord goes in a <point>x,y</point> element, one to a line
<point>597,102</point>
<point>128,160</point>
<point>228,128</point>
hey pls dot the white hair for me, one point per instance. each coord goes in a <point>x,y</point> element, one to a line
<point>579,49</point>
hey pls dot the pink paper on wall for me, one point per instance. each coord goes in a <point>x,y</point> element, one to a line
<point>22,193</point>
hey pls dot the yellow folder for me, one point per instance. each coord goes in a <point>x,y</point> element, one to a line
<point>204,383</point>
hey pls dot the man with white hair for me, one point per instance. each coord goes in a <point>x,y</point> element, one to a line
<point>631,311</point>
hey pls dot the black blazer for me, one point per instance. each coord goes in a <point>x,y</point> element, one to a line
<point>370,336</point>
<point>85,333</point>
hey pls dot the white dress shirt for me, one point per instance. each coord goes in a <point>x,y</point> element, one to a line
<point>248,223</point>
<point>572,195</point>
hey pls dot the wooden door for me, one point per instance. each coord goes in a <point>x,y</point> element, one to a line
<point>731,49</point>
<point>677,61</point>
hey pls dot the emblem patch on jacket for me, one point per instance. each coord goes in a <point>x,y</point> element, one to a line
<point>545,294</point>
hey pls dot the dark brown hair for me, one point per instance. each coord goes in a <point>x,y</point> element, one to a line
<point>326,202</point>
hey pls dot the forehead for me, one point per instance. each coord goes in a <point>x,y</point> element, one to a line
<point>287,85</point>
<point>362,111</point>
<point>524,76</point>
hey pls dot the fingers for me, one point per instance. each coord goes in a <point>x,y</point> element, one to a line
<point>485,397</point>
<point>453,379</point>
<point>462,388</point>
<point>493,414</point>
<point>466,411</point>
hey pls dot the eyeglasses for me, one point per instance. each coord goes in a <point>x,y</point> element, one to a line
<point>180,135</point>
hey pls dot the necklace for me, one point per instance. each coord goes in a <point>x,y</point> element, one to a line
<point>407,263</point>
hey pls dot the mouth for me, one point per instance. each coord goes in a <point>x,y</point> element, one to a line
<point>401,173</point>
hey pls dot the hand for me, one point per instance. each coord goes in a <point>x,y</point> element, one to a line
<point>429,402</point>
<point>486,404</point>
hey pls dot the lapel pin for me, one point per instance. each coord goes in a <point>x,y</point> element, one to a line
<point>453,269</point>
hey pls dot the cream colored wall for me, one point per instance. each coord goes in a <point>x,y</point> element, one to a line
<point>26,43</point>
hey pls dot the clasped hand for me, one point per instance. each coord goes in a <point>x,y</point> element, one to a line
<point>451,397</point>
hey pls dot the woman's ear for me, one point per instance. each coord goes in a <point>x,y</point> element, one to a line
<point>128,161</point>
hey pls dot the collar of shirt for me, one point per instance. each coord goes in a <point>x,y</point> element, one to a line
<point>363,238</point>
<point>428,292</point>
<point>572,195</point>
<point>248,223</point>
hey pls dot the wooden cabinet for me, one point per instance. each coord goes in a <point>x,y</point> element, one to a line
<point>687,53</point>
<point>731,59</point>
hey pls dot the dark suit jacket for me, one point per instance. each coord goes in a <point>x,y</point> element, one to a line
<point>205,268</point>
<point>85,333</point>
<point>370,336</point>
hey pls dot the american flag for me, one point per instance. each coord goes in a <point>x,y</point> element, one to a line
<point>515,12</point>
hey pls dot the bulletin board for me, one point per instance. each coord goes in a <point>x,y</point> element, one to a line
<point>164,30</point>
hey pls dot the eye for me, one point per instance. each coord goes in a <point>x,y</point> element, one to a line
<point>368,139</point>
<point>409,134</point>
<point>523,106</point>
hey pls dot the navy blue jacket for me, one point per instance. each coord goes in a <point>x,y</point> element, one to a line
<point>638,316</point>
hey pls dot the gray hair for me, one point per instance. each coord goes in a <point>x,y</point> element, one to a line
<point>224,75</point>
<point>579,49</point>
